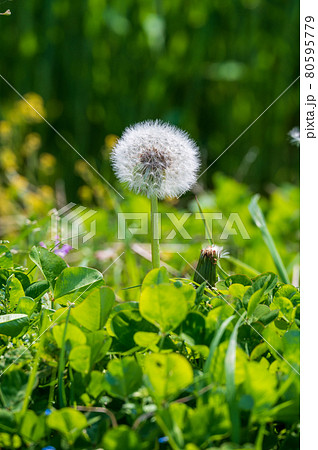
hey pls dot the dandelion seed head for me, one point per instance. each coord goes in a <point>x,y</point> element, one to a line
<point>154,158</point>
<point>294,136</point>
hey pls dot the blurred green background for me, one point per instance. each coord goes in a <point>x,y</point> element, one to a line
<point>93,67</point>
<point>210,67</point>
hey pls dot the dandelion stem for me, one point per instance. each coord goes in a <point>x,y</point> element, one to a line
<point>155,248</point>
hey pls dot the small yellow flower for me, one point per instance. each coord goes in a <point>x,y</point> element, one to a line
<point>8,160</point>
<point>31,144</point>
<point>47,192</point>
<point>19,182</point>
<point>34,203</point>
<point>5,204</point>
<point>5,130</point>
<point>47,163</point>
<point>111,141</point>
<point>85,194</point>
<point>81,167</point>
<point>34,112</point>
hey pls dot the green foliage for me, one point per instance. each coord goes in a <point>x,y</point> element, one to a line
<point>174,73</point>
<point>178,366</point>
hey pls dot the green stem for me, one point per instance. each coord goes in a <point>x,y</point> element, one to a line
<point>52,387</point>
<point>62,395</point>
<point>155,249</point>
<point>31,381</point>
<point>33,372</point>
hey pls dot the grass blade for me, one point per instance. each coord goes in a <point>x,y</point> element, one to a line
<point>215,342</point>
<point>259,220</point>
<point>237,262</point>
<point>230,363</point>
<point>208,231</point>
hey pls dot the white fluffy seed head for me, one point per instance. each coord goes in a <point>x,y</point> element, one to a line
<point>294,136</point>
<point>154,158</point>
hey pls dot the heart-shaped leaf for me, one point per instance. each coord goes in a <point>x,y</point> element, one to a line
<point>67,421</point>
<point>50,264</point>
<point>164,305</point>
<point>123,377</point>
<point>167,374</point>
<point>26,305</point>
<point>93,312</point>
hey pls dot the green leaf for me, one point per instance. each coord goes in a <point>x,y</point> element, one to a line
<point>73,279</point>
<point>238,279</point>
<point>126,323</point>
<point>123,377</point>
<point>121,437</point>
<point>99,342</point>
<point>285,306</point>
<point>154,277</point>
<point>32,427</point>
<point>193,326</point>
<point>15,290</point>
<point>260,222</point>
<point>13,324</point>
<point>6,261</point>
<point>23,278</point>
<point>273,339</point>
<point>7,421</point>
<point>260,384</point>
<point>272,280</point>
<point>50,264</point>
<point>290,292</point>
<point>146,339</point>
<point>97,384</point>
<point>257,285</point>
<point>167,374</point>
<point>255,299</point>
<point>258,351</point>
<point>25,305</point>
<point>94,311</point>
<point>69,422</point>
<point>164,305</point>
<point>269,317</point>
<point>73,334</point>
<point>188,292</point>
<point>291,344</point>
<point>198,425</point>
<point>237,290</point>
<point>80,358</point>
<point>37,289</point>
<point>13,387</point>
<point>263,314</point>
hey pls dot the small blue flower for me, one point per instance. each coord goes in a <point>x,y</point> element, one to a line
<point>47,412</point>
<point>163,439</point>
<point>49,447</point>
